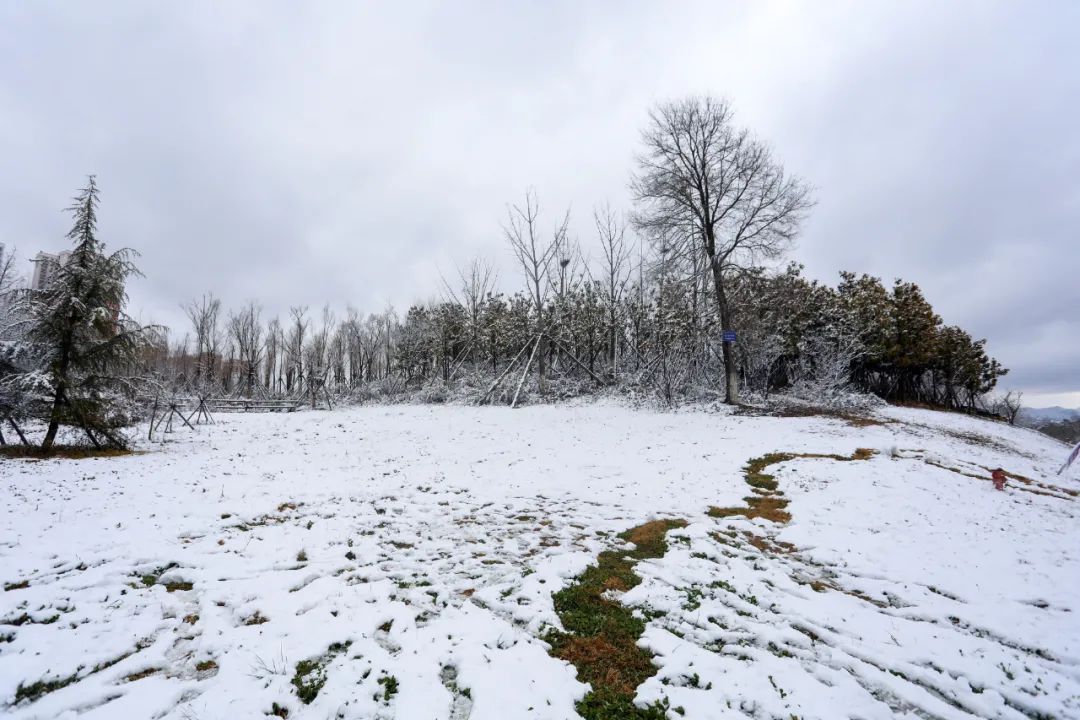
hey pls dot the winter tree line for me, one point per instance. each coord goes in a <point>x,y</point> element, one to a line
<point>684,297</point>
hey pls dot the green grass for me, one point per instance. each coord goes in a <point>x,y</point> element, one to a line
<point>310,674</point>
<point>33,691</point>
<point>390,687</point>
<point>601,634</point>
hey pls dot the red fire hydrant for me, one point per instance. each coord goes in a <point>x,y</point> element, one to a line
<point>998,477</point>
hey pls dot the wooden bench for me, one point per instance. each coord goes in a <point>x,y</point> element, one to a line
<point>252,405</point>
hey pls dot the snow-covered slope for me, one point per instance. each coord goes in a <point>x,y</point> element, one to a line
<point>407,556</point>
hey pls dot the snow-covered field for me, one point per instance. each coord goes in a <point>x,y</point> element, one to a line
<point>408,555</point>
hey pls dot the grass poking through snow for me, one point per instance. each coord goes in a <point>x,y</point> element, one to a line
<point>768,501</point>
<point>311,674</point>
<point>601,633</point>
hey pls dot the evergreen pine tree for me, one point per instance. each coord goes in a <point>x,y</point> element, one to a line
<point>87,346</point>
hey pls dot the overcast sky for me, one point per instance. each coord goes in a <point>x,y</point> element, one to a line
<point>304,153</point>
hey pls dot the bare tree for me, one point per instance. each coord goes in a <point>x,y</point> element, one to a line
<point>245,327</point>
<point>534,255</point>
<point>318,349</point>
<point>475,283</point>
<point>10,321</point>
<point>294,347</point>
<point>271,353</point>
<point>8,276</point>
<point>1010,405</point>
<point>203,314</point>
<point>616,269</point>
<point>568,267</point>
<point>707,184</point>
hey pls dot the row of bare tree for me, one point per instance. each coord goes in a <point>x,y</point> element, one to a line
<point>680,296</point>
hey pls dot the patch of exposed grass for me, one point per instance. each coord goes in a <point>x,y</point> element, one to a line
<point>30,693</point>
<point>62,452</point>
<point>33,691</point>
<point>1035,483</point>
<point>178,585</point>
<point>768,545</point>
<point>151,578</point>
<point>311,674</point>
<point>141,674</point>
<point>800,411</point>
<point>390,687</point>
<point>768,502</point>
<point>601,633</point>
<point>8,587</point>
<point>1026,484</point>
<point>25,618</point>
<point>256,618</point>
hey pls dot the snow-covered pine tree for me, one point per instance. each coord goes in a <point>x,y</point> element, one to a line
<point>88,349</point>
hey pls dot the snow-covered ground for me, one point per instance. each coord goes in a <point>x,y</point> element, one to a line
<point>411,553</point>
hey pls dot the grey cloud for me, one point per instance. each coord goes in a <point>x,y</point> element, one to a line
<point>346,152</point>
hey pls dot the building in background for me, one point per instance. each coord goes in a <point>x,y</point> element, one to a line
<point>45,267</point>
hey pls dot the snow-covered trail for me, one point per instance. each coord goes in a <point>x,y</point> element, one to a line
<point>410,554</point>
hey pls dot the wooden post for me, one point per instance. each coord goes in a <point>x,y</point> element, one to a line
<point>153,413</point>
<point>18,431</point>
<point>499,379</point>
<point>175,409</point>
<point>525,374</point>
<point>574,357</point>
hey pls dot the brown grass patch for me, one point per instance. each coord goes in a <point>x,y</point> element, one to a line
<point>768,507</point>
<point>616,667</point>
<point>601,634</point>
<point>62,452</point>
<point>1045,486</point>
<point>768,545</point>
<point>1026,484</point>
<point>767,501</point>
<point>142,674</point>
<point>799,411</point>
<point>650,538</point>
<point>615,583</point>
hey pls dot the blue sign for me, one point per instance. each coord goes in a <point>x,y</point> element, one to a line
<point>729,336</point>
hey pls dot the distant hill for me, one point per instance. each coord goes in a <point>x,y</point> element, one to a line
<point>1058,422</point>
<point>1041,416</point>
<point>1067,430</point>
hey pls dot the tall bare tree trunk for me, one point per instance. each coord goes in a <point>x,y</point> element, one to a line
<point>731,371</point>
